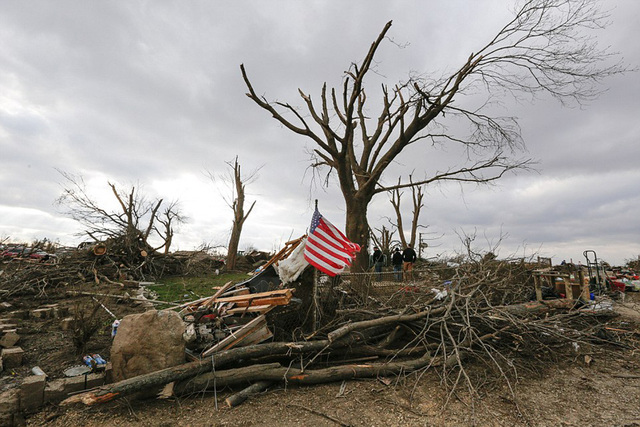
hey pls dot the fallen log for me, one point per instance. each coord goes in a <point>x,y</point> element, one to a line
<point>275,373</point>
<point>185,371</point>
<point>396,318</point>
<point>538,307</point>
<point>239,397</point>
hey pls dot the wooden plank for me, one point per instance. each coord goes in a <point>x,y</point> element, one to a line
<point>568,289</point>
<point>264,301</point>
<point>229,341</point>
<point>262,309</point>
<point>254,337</point>
<point>537,285</point>
<point>222,290</point>
<point>277,293</point>
<point>209,302</point>
<point>236,291</point>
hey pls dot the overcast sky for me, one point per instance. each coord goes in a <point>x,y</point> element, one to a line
<point>149,93</point>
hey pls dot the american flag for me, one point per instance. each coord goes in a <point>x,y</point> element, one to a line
<point>327,248</point>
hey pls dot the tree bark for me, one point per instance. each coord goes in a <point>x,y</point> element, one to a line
<point>276,373</point>
<point>239,397</point>
<point>357,230</point>
<point>398,318</point>
<point>239,217</point>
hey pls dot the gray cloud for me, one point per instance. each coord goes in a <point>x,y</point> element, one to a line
<point>151,93</point>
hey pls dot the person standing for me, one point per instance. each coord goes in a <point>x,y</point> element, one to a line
<point>378,259</point>
<point>409,257</point>
<point>396,261</point>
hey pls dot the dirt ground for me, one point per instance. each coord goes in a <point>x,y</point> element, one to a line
<point>603,392</point>
<point>606,393</point>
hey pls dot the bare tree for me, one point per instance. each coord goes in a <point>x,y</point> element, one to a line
<point>171,216</point>
<point>545,48</point>
<point>417,194</point>
<point>236,201</point>
<point>131,225</point>
<point>384,241</point>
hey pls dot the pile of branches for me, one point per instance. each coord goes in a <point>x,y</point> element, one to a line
<point>21,278</point>
<point>464,336</point>
<point>110,262</point>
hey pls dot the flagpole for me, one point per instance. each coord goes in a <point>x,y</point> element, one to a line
<point>315,292</point>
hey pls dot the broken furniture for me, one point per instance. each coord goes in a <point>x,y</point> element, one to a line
<point>562,283</point>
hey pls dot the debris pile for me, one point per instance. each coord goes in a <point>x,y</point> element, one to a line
<point>232,317</point>
<point>98,264</point>
<point>474,323</point>
<point>458,328</point>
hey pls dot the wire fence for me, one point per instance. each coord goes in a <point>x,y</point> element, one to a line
<point>326,301</point>
<point>388,289</point>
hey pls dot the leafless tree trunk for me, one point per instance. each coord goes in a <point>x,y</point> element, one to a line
<point>543,49</point>
<point>171,216</point>
<point>239,216</point>
<point>384,242</point>
<point>417,195</point>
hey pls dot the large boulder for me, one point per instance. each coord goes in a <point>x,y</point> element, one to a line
<point>147,342</point>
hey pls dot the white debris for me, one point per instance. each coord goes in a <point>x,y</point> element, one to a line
<point>440,294</point>
<point>290,269</point>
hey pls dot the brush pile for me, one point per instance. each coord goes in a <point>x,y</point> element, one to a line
<point>477,327</point>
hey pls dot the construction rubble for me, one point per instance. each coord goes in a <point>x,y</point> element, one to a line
<point>288,325</point>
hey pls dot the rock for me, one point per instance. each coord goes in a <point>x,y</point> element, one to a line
<point>12,357</point>
<point>54,391</point>
<point>147,342</point>
<point>82,382</point>
<point>9,405</point>
<point>108,373</point>
<point>9,338</point>
<point>32,392</point>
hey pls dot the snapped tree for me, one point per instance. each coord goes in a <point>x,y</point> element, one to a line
<point>545,48</point>
<point>235,201</point>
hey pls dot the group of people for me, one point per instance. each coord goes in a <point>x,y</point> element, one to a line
<point>401,262</point>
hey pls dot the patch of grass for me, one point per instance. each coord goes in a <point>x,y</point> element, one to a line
<point>179,289</point>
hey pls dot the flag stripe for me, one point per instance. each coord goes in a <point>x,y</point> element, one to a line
<point>339,238</point>
<point>322,263</point>
<point>329,244</point>
<point>327,248</point>
<point>319,252</point>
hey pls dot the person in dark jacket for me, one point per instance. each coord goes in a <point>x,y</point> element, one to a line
<point>409,257</point>
<point>378,259</point>
<point>396,261</point>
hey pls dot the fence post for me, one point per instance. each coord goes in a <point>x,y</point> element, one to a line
<point>315,301</point>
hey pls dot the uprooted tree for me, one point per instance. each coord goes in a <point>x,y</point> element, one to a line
<point>127,230</point>
<point>544,48</point>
